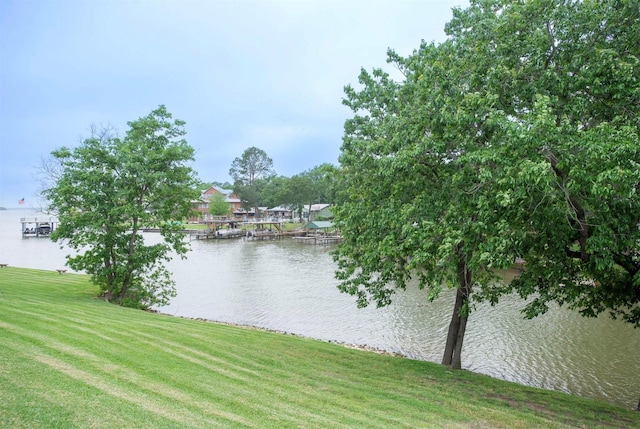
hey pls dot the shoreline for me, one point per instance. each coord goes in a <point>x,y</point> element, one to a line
<point>353,346</point>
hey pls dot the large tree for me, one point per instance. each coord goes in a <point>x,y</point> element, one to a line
<point>246,170</point>
<point>270,189</point>
<point>109,189</point>
<point>297,192</point>
<point>566,158</point>
<point>409,203</point>
<point>513,138</point>
<point>324,179</point>
<point>317,185</point>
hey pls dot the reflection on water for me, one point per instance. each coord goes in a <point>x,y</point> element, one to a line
<point>290,287</point>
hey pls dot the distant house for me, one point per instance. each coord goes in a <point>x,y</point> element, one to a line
<point>319,211</point>
<point>249,214</point>
<point>279,213</point>
<point>202,204</point>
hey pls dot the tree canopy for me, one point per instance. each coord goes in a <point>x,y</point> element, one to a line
<point>514,138</point>
<point>252,165</point>
<point>109,188</point>
<point>246,170</point>
<point>297,192</point>
<point>270,189</point>
<point>324,180</point>
<point>218,206</point>
<point>316,185</point>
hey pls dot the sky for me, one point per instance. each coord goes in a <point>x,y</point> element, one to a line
<point>269,74</point>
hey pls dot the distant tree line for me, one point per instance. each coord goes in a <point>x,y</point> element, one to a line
<point>256,183</point>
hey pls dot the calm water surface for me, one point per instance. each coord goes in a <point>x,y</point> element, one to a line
<point>289,286</point>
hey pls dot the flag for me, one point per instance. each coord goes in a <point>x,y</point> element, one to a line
<point>21,201</point>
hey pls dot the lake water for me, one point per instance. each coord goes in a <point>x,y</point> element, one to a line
<point>289,286</point>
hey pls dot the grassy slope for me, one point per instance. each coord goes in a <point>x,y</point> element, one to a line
<point>68,360</point>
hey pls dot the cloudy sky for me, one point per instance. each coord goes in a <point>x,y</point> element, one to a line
<point>268,74</point>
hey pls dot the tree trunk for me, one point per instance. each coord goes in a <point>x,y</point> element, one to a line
<point>458,325</point>
<point>127,278</point>
<point>456,360</point>
<point>452,335</point>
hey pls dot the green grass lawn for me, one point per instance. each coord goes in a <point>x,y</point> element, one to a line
<point>68,360</point>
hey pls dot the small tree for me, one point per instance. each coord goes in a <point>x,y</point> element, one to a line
<point>109,189</point>
<point>218,206</point>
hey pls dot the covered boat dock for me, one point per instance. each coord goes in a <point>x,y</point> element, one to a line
<point>37,227</point>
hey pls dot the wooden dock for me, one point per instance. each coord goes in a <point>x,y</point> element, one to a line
<point>221,229</point>
<point>259,230</point>
<point>320,232</point>
<point>266,230</point>
<point>322,240</point>
<point>219,234</point>
<point>38,227</point>
<point>234,228</point>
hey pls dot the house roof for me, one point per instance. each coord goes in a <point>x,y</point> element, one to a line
<point>207,192</point>
<point>241,210</point>
<point>223,191</point>
<point>318,207</point>
<point>319,224</point>
<point>278,209</point>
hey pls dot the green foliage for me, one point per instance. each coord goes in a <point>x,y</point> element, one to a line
<point>317,185</point>
<point>269,190</point>
<point>223,185</point>
<point>324,180</point>
<point>254,164</point>
<point>562,76</point>
<point>109,189</point>
<point>218,206</point>
<point>513,138</point>
<point>246,171</point>
<point>297,192</point>
<point>200,185</point>
<point>272,191</point>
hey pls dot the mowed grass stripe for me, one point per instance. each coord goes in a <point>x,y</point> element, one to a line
<point>77,325</point>
<point>115,327</point>
<point>77,354</point>
<point>97,365</point>
<point>305,391</point>
<point>122,341</point>
<point>102,375</point>
<point>68,400</point>
<point>216,394</point>
<point>53,408</point>
<point>248,394</point>
<point>128,337</point>
<point>215,389</point>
